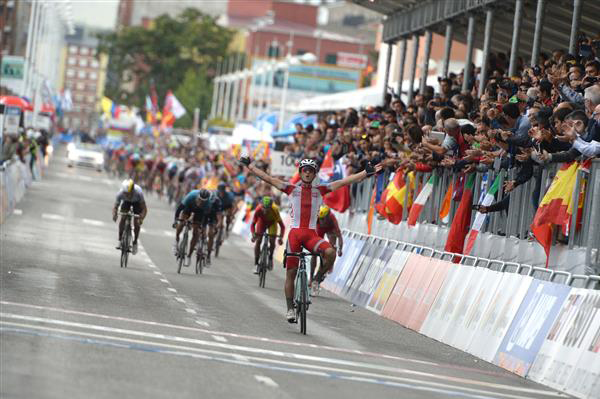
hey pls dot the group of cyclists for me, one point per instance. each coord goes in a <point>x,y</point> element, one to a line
<point>211,211</point>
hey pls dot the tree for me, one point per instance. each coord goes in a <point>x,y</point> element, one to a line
<point>162,55</point>
<point>195,91</point>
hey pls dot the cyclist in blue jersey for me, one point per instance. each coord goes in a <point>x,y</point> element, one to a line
<point>228,203</point>
<point>206,210</point>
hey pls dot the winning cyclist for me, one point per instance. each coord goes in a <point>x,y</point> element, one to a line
<point>130,196</point>
<point>305,200</point>
<point>205,208</point>
<point>266,218</point>
<point>327,226</point>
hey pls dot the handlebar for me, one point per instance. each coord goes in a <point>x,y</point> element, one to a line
<point>129,214</point>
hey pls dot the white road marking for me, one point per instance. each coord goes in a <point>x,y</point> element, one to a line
<point>301,367</point>
<point>93,222</point>
<point>157,273</point>
<point>172,289</point>
<point>219,338</point>
<point>180,300</point>
<point>164,280</point>
<point>142,230</point>
<point>151,266</point>
<point>52,216</point>
<point>266,380</point>
<point>17,212</point>
<point>169,233</point>
<point>190,311</point>
<point>202,323</point>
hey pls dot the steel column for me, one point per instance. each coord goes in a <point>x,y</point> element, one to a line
<point>413,68</point>
<point>537,36</point>
<point>575,25</point>
<point>235,97</point>
<point>386,80</point>
<point>228,90</point>
<point>425,64</point>
<point>470,38</point>
<point>402,51</point>
<point>514,53</point>
<point>241,113</point>
<point>447,49</point>
<point>487,40</point>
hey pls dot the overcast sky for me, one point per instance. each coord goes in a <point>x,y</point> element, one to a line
<point>97,13</point>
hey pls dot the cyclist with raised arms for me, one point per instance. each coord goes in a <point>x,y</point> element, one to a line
<point>205,209</point>
<point>266,218</point>
<point>130,197</point>
<point>305,201</point>
<point>327,227</point>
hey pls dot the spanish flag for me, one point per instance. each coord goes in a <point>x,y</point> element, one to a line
<point>556,206</point>
<point>392,198</point>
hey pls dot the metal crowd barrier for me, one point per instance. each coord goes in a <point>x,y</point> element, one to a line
<point>521,209</point>
<point>560,277</point>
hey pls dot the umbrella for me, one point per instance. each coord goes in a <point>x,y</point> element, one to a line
<point>14,101</point>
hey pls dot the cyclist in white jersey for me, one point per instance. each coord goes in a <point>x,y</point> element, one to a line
<point>305,200</point>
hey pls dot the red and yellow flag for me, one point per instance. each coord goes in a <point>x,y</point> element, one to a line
<point>556,206</point>
<point>392,198</point>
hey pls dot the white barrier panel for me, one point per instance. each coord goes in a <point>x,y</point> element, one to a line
<point>340,275</point>
<point>365,258</point>
<point>498,315</point>
<point>565,344</point>
<point>531,324</point>
<point>395,297</point>
<point>488,281</point>
<point>388,280</point>
<point>373,253</point>
<point>372,277</point>
<point>445,307</point>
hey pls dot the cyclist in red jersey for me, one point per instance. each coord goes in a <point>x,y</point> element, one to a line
<point>266,218</point>
<point>305,200</point>
<point>327,227</point>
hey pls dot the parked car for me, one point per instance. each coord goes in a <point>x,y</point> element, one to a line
<point>85,154</point>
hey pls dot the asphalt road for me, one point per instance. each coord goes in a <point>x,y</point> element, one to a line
<point>73,324</point>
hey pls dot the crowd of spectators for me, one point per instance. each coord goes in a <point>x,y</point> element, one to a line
<point>546,113</point>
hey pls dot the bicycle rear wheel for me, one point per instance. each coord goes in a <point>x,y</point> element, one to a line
<point>125,246</point>
<point>303,303</point>
<point>181,254</point>
<point>199,260</point>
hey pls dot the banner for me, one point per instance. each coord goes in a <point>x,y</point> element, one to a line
<point>498,315</point>
<point>356,275</point>
<point>387,281</point>
<point>282,164</point>
<point>565,343</point>
<point>336,281</point>
<point>440,271</point>
<point>371,277</point>
<point>533,320</point>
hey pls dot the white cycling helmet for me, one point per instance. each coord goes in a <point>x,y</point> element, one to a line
<point>307,162</point>
<point>127,185</point>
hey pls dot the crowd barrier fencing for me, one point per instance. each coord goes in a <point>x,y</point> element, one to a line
<point>15,178</point>
<point>539,323</point>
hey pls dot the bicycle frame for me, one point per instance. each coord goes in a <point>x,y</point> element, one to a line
<point>126,236</point>
<point>301,297</point>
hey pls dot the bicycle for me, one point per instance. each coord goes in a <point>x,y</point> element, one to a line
<point>301,293</point>
<point>201,254</point>
<point>219,241</point>
<point>182,248</point>
<point>263,260</point>
<point>126,237</point>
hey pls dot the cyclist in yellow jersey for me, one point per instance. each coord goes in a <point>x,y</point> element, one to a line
<point>266,217</point>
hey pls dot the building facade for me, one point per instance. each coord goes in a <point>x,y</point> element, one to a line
<point>141,12</point>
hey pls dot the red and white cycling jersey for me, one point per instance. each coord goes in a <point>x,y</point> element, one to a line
<point>305,200</point>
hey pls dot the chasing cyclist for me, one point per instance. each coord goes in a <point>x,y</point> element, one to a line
<point>305,201</point>
<point>327,227</point>
<point>227,201</point>
<point>266,218</point>
<point>130,196</point>
<point>205,208</point>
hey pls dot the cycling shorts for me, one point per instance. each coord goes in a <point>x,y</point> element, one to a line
<point>307,238</point>
<point>321,232</point>
<point>127,205</point>
<point>261,227</point>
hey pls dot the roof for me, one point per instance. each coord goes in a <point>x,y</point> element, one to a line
<point>404,17</point>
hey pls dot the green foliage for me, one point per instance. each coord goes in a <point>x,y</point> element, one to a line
<point>171,53</point>
<point>221,123</point>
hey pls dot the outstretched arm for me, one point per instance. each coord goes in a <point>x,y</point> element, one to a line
<point>275,182</point>
<point>355,178</point>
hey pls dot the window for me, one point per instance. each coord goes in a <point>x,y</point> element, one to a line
<point>91,99</point>
<point>78,98</point>
<point>66,120</point>
<point>83,62</point>
<point>76,122</point>
<point>85,50</point>
<point>93,52</point>
<point>94,63</point>
<point>91,87</point>
<point>93,75</point>
<point>72,61</point>
<point>73,49</point>
<point>301,51</point>
<point>70,73</point>
<point>273,51</point>
<point>81,74</point>
<point>80,86</point>
<point>69,85</point>
<point>331,58</point>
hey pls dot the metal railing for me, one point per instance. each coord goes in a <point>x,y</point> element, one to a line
<point>523,202</point>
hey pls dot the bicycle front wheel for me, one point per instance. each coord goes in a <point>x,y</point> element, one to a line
<point>181,255</point>
<point>303,303</point>
<point>125,246</point>
<point>199,263</point>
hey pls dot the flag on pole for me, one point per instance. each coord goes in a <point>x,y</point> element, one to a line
<point>460,225</point>
<point>392,199</point>
<point>421,200</point>
<point>371,213</point>
<point>340,198</point>
<point>556,206</point>
<point>480,217</point>
<point>446,202</point>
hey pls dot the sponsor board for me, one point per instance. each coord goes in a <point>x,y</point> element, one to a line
<point>525,336</point>
<point>371,278</point>
<point>338,278</point>
<point>401,284</point>
<point>371,251</point>
<point>282,164</point>
<point>387,281</point>
<point>424,305</point>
